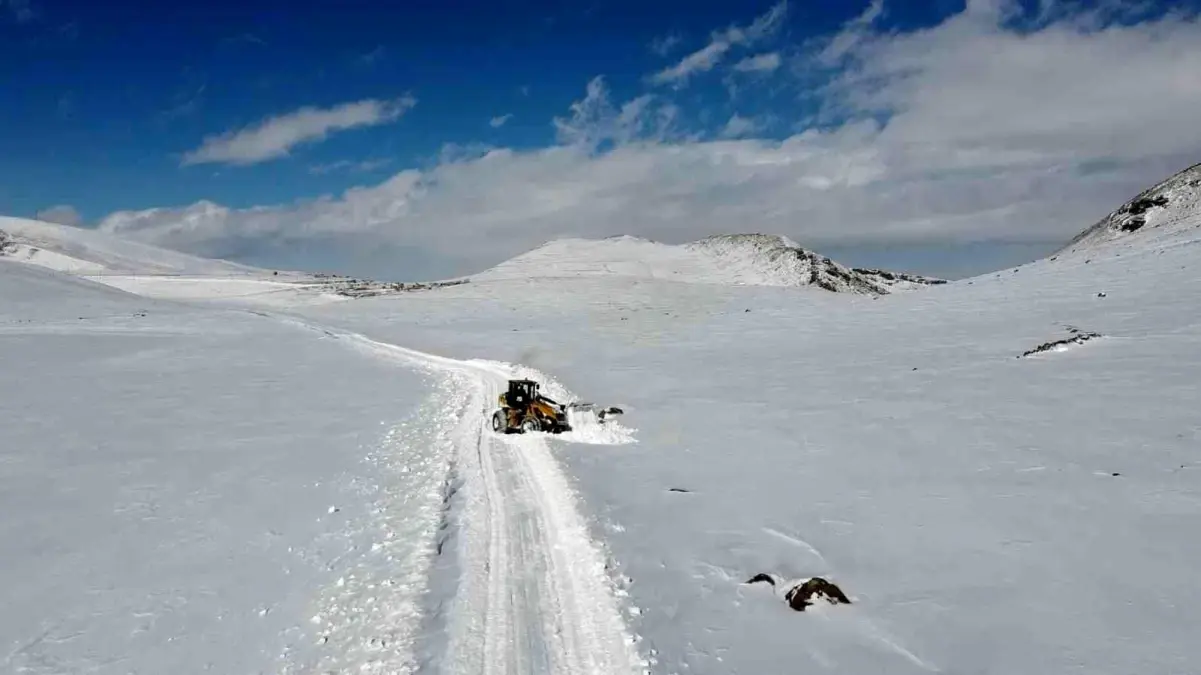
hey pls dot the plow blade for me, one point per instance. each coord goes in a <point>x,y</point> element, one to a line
<point>601,415</point>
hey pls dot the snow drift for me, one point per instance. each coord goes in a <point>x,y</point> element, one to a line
<point>734,259</point>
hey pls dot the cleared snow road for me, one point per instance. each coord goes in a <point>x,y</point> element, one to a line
<point>530,590</point>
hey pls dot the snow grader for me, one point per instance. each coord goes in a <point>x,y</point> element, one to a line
<point>523,409</point>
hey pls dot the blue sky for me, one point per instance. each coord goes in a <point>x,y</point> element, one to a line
<point>108,95</point>
<point>263,106</point>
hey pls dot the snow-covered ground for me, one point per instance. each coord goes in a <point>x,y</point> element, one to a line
<point>987,507</point>
<point>197,488</point>
<point>181,490</point>
<point>986,513</point>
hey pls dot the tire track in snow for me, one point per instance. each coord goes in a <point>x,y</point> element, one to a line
<point>532,595</point>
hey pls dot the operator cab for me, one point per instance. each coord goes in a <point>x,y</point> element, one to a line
<point>521,393</point>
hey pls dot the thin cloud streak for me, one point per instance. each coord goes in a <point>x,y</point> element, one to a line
<point>275,137</point>
<point>720,44</point>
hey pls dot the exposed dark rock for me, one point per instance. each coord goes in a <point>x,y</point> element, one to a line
<point>1078,337</point>
<point>893,278</point>
<point>360,288</point>
<point>804,595</point>
<point>678,490</point>
<point>1133,224</point>
<point>802,267</point>
<point>898,276</point>
<point>1143,204</point>
<point>7,245</point>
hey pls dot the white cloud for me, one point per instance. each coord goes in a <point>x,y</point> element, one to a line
<point>372,57</point>
<point>966,131</point>
<point>762,63</point>
<point>720,43</point>
<point>853,33</point>
<point>347,165</point>
<point>276,136</point>
<point>185,103</point>
<point>62,214</point>
<point>1065,92</point>
<point>21,10</point>
<point>665,44</point>
<point>499,121</point>
<point>595,120</point>
<point>739,126</point>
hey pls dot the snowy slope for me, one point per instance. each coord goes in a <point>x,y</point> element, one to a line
<point>749,259</point>
<point>81,251</point>
<point>1169,211</point>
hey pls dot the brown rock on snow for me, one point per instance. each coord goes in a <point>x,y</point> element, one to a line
<point>805,594</point>
<point>802,596</point>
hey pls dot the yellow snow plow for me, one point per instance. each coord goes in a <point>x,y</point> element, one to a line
<point>524,409</point>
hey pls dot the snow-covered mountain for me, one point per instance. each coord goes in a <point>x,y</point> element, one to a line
<point>1168,210</point>
<point>82,251</point>
<point>735,259</point>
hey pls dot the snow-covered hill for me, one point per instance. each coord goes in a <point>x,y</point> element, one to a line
<point>82,251</point>
<point>739,259</point>
<point>151,270</point>
<point>1165,212</point>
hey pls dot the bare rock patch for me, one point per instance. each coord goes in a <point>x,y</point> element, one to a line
<point>803,594</point>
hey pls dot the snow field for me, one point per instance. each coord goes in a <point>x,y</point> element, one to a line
<point>167,476</point>
<point>448,549</point>
<point>220,290</point>
<point>985,513</point>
